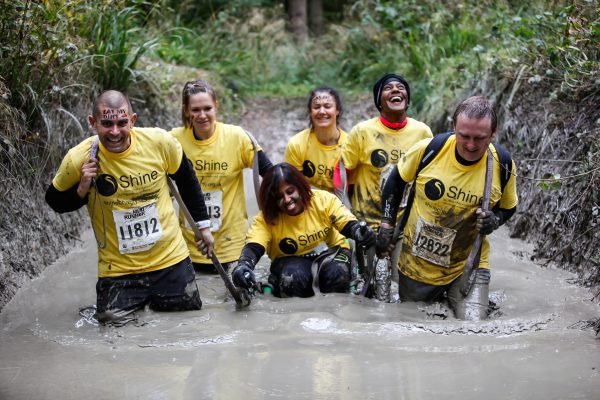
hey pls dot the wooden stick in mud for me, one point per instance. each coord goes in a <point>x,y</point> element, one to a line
<point>241,297</point>
<point>468,276</point>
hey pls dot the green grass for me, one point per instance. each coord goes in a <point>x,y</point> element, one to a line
<point>442,50</point>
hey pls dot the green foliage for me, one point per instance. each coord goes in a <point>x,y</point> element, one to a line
<point>117,44</point>
<point>252,54</point>
<point>34,52</point>
<point>551,183</point>
<point>442,49</point>
<point>568,43</point>
<point>192,11</point>
<point>53,55</point>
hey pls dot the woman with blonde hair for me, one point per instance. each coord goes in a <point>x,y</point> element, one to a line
<point>218,152</point>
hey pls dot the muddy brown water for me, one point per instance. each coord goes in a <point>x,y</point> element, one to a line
<point>327,347</point>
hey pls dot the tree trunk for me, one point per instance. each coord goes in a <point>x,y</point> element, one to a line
<point>297,16</point>
<point>315,17</point>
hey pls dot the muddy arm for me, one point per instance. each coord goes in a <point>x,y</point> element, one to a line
<point>190,191</point>
<point>67,201</point>
<point>264,163</point>
<point>504,214</point>
<point>391,196</point>
<point>251,253</point>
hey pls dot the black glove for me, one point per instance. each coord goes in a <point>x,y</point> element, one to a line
<point>363,235</point>
<point>243,276</point>
<point>384,244</point>
<point>487,221</point>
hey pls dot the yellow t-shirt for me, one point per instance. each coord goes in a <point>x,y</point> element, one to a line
<point>315,160</point>
<point>132,206</point>
<point>219,162</point>
<point>371,150</point>
<point>300,234</point>
<point>441,227</point>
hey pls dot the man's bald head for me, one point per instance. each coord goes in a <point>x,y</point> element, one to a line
<point>110,99</point>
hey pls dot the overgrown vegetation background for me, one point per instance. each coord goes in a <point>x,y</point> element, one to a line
<point>537,61</point>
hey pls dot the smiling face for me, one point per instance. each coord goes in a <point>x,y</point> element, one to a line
<point>113,125</point>
<point>202,112</point>
<point>289,200</point>
<point>473,136</point>
<point>394,100</point>
<point>323,110</point>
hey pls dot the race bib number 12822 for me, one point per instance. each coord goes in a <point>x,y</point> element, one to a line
<point>433,242</point>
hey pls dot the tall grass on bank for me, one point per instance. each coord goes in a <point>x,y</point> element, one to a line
<point>49,71</point>
<point>117,44</point>
<point>54,53</point>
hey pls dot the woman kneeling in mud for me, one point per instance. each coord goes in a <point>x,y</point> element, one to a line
<point>301,230</point>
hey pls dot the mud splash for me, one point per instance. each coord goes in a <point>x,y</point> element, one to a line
<point>326,347</point>
<point>330,346</point>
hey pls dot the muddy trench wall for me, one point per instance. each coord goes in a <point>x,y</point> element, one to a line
<point>555,139</point>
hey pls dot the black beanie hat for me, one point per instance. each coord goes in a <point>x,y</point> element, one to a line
<point>382,82</point>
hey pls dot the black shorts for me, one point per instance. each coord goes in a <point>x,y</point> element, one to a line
<point>170,289</point>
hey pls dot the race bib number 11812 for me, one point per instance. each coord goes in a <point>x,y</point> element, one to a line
<point>138,229</point>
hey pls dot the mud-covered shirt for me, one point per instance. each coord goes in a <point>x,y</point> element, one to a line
<point>441,227</point>
<point>371,150</point>
<point>314,159</point>
<point>131,208</point>
<point>295,235</point>
<point>219,162</point>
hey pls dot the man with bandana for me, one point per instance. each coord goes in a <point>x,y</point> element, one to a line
<point>373,147</point>
<point>121,175</point>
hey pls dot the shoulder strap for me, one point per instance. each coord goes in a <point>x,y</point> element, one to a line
<point>306,142</point>
<point>255,175</point>
<point>505,165</point>
<point>431,151</point>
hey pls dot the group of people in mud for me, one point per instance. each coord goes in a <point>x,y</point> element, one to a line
<point>388,193</point>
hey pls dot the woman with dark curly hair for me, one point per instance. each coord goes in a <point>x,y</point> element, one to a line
<point>302,230</point>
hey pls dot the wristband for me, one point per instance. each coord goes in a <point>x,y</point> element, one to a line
<point>203,224</point>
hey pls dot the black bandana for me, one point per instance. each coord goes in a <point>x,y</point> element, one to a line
<point>382,82</point>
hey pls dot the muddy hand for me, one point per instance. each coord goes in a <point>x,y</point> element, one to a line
<point>243,276</point>
<point>89,171</point>
<point>363,235</point>
<point>207,243</point>
<point>487,221</point>
<point>384,245</point>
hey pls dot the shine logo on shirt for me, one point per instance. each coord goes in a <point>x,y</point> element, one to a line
<point>309,170</point>
<point>288,246</point>
<point>209,165</point>
<point>379,158</point>
<point>107,184</point>
<point>435,190</point>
